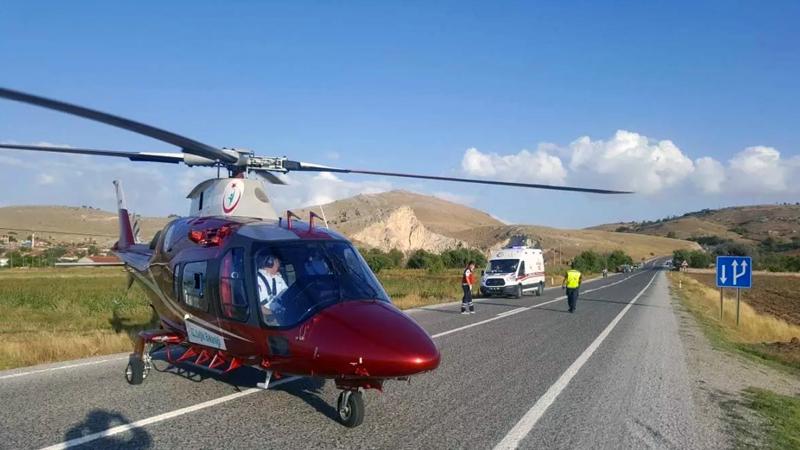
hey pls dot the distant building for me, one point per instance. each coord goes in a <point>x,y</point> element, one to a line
<point>99,259</point>
<point>3,262</point>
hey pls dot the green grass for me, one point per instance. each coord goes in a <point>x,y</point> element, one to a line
<point>781,416</point>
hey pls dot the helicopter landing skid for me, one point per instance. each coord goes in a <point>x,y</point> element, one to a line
<point>265,384</point>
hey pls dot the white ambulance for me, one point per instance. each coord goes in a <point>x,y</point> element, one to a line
<point>514,271</point>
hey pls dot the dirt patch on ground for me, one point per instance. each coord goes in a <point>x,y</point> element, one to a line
<point>775,295</point>
<point>782,351</point>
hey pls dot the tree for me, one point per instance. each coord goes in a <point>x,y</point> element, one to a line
<point>617,258</point>
<point>397,257</point>
<point>378,260</point>
<point>589,261</point>
<point>699,259</point>
<point>672,235</point>
<point>422,259</point>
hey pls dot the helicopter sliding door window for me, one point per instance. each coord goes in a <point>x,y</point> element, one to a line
<point>232,298</point>
<point>194,285</point>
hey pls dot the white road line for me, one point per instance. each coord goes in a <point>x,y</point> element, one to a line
<point>511,312</point>
<point>161,417</point>
<point>528,421</point>
<point>68,366</point>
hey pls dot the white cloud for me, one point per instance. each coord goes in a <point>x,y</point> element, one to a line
<point>319,189</point>
<point>757,170</point>
<point>629,161</point>
<point>539,166</point>
<point>709,175</point>
<point>45,179</point>
<point>632,161</point>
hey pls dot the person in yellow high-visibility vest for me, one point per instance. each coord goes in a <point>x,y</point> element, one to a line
<point>572,282</point>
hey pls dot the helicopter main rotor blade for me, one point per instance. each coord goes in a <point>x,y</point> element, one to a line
<point>309,167</point>
<point>187,145</point>
<point>162,157</point>
<point>267,176</point>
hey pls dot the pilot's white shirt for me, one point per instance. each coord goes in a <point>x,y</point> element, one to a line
<point>267,294</point>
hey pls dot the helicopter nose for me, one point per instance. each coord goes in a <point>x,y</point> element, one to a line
<point>370,338</point>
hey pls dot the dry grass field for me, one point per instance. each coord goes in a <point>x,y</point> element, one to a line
<point>766,329</point>
<point>51,315</point>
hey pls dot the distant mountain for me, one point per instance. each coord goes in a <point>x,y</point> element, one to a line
<point>409,221</point>
<point>746,224</point>
<point>398,219</point>
<point>70,223</point>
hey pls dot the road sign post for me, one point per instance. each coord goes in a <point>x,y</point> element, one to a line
<point>737,306</point>
<point>734,272</point>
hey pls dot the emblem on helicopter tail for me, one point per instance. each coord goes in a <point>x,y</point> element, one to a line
<point>231,196</point>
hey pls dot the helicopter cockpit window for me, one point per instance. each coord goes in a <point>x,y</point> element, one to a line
<point>294,279</point>
<point>232,298</point>
<point>194,285</point>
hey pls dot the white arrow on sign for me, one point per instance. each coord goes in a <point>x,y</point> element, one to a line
<point>723,278</point>
<point>736,276</point>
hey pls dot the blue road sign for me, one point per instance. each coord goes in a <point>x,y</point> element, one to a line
<point>734,272</point>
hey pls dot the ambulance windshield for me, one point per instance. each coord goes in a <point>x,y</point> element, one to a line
<point>502,266</point>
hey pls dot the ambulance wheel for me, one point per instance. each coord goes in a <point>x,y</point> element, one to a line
<point>350,406</point>
<point>518,292</point>
<point>134,373</point>
<point>540,289</point>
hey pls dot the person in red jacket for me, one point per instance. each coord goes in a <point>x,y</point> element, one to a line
<point>467,280</point>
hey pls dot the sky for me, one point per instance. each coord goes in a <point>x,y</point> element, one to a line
<point>691,104</point>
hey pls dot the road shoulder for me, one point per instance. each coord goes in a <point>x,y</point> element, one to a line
<point>720,384</point>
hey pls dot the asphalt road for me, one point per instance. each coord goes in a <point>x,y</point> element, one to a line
<point>518,373</point>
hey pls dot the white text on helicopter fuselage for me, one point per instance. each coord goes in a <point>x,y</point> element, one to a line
<point>202,336</point>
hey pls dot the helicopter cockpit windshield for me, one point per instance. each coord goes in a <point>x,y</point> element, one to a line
<point>294,279</point>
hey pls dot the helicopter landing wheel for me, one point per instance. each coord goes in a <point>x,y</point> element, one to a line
<point>136,371</point>
<point>350,407</point>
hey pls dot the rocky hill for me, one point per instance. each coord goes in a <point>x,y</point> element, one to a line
<point>409,221</point>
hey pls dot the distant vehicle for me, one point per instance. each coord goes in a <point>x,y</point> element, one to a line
<point>514,271</point>
<point>624,268</point>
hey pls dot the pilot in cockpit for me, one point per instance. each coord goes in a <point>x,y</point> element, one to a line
<point>270,283</point>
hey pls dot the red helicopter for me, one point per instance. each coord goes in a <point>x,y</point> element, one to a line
<point>235,285</point>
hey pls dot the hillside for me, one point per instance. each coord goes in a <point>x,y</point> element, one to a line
<point>569,243</point>
<point>55,223</point>
<point>747,224</point>
<point>403,220</point>
<point>409,221</point>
